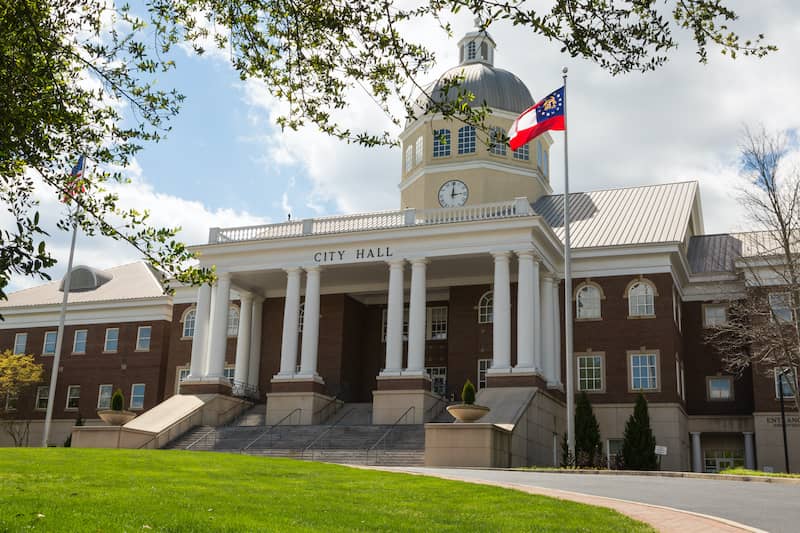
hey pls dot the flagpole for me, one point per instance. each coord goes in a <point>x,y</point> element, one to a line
<point>568,290</point>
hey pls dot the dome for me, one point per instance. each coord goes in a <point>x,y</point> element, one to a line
<point>84,278</point>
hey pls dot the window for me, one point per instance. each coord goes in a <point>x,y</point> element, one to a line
<point>180,377</point>
<point>419,152</point>
<point>719,460</point>
<point>437,323</point>
<point>143,338</point>
<point>471,49</point>
<point>486,308</point>
<point>785,381</point>
<point>49,347</point>
<point>438,375</point>
<point>11,402</point>
<point>590,373</point>
<point>483,366</point>
<point>523,153</point>
<point>104,396</point>
<point>233,321</point>
<point>719,388</point>
<point>300,317</point>
<point>112,340</point>
<point>715,315</point>
<point>644,371</point>
<point>441,143</point>
<point>466,140</point>
<point>79,341</point>
<point>641,299</point>
<point>683,382</point>
<point>587,302</point>
<point>405,325</point>
<point>137,396</point>
<point>614,450</point>
<point>20,340</point>
<point>41,397</point>
<point>678,376</point>
<point>73,397</point>
<point>409,157</point>
<point>188,323</point>
<point>229,372</point>
<point>781,305</point>
<point>676,307</point>
<point>545,164</point>
<point>539,155</point>
<point>496,144</point>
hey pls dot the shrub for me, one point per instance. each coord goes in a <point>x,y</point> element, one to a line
<point>567,460</point>
<point>468,393</point>
<point>117,400</point>
<point>639,446</point>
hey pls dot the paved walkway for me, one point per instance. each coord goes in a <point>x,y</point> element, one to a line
<point>669,504</point>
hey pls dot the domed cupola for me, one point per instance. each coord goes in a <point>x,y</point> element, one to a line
<point>447,163</point>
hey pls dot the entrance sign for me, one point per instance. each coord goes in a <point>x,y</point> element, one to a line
<point>661,450</point>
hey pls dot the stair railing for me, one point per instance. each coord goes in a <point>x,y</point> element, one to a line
<point>429,414</point>
<point>271,429</point>
<point>202,438</point>
<point>180,421</point>
<point>383,438</point>
<point>334,401</point>
<point>319,437</point>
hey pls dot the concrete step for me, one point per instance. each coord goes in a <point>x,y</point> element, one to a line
<point>255,416</point>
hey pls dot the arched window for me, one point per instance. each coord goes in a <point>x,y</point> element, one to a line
<point>496,144</point>
<point>466,140</point>
<point>587,301</point>
<point>300,317</point>
<point>233,321</point>
<point>188,322</point>
<point>486,308</point>
<point>523,153</point>
<point>641,299</point>
<point>441,143</point>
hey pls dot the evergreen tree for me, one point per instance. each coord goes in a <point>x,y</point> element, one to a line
<point>587,433</point>
<point>638,448</point>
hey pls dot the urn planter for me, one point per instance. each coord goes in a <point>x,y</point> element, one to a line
<point>467,412</point>
<point>116,418</point>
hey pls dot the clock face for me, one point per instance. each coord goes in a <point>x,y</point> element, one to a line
<point>453,193</point>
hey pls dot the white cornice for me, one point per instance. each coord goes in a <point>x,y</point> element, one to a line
<point>146,310</point>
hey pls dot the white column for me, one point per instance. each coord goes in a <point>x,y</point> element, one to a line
<point>197,367</point>
<point>254,359</point>
<point>537,316</point>
<point>207,361</point>
<point>291,310</point>
<point>219,327</point>
<point>556,334</point>
<point>501,335</point>
<point>526,337</point>
<point>749,451</point>
<point>394,320</point>
<point>308,354</point>
<point>243,339</point>
<point>697,452</point>
<point>548,344</point>
<point>416,319</point>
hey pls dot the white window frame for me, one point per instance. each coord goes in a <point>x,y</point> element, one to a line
<point>776,371</point>
<point>655,366</point>
<point>24,338</point>
<point>180,370</point>
<point>139,338</point>
<point>618,443</point>
<point>100,403</point>
<point>442,144</point>
<point>138,407</point>
<point>188,323</point>
<point>40,390</point>
<point>438,375</point>
<point>384,322</point>
<point>233,321</point>
<point>71,388</point>
<point>709,395</point>
<point>586,356</point>
<point>11,399</point>
<point>409,158</point>
<point>486,308</point>
<point>497,147</point>
<point>44,342</point>
<point>483,366</point>
<point>229,372</point>
<point>467,140</point>
<point>105,341</point>
<point>641,305</point>
<point>419,150</point>
<point>75,341</point>
<point>430,313</point>
<point>710,321</point>
<point>472,50</point>
<point>780,309</point>
<point>582,312</point>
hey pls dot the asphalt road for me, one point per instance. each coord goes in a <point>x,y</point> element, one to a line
<point>772,507</point>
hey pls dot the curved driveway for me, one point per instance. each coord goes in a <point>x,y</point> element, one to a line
<point>772,507</point>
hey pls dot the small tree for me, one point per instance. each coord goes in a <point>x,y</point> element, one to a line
<point>468,393</point>
<point>587,433</point>
<point>17,373</point>
<point>639,446</point>
<point>117,400</point>
<point>567,459</point>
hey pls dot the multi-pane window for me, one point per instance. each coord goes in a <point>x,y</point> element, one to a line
<point>409,157</point>
<point>418,148</point>
<point>438,375</point>
<point>79,341</point>
<point>188,323</point>
<point>301,315</point>
<point>233,321</point>
<point>41,397</point>
<point>137,395</point>
<point>471,49</point>
<point>441,143</point>
<point>112,340</point>
<point>587,302</point>
<point>715,315</point>
<point>143,335</point>
<point>718,460</point>
<point>466,140</point>
<point>784,381</point>
<point>437,321</point>
<point>104,393</point>
<point>523,153</point>
<point>483,366</point>
<point>590,373</point>
<point>644,368</point>
<point>73,396</point>
<point>49,347</point>
<point>719,388</point>
<point>229,372</point>
<point>486,308</point>
<point>614,449</point>
<point>405,325</point>
<point>11,402</point>
<point>781,305</point>
<point>641,299</point>
<point>181,376</point>
<point>496,144</point>
<point>20,341</point>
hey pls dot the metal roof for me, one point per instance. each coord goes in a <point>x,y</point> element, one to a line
<point>713,253</point>
<point>618,217</point>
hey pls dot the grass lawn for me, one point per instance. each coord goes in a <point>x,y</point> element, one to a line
<point>746,472</point>
<point>60,489</point>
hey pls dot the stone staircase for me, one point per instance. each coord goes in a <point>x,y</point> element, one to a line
<point>347,437</point>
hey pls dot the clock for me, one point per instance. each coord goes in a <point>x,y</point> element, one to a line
<point>453,193</point>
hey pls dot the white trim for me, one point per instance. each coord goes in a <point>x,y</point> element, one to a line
<point>44,343</point>
<point>144,392</point>
<point>75,341</point>
<point>39,396</point>
<point>139,336</point>
<point>69,389</point>
<point>87,313</point>
<point>24,336</point>
<point>105,341</point>
<point>99,394</point>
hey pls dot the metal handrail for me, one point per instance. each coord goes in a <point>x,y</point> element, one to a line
<point>206,434</point>
<point>386,433</point>
<point>271,428</point>
<point>319,437</point>
<point>214,430</point>
<point>154,437</point>
<point>440,399</point>
<point>242,389</point>
<point>327,404</point>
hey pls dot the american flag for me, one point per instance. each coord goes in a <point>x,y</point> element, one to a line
<point>75,184</point>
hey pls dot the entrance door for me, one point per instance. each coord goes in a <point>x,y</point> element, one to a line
<point>718,460</point>
<point>438,375</point>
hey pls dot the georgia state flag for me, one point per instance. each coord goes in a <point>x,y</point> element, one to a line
<point>547,114</point>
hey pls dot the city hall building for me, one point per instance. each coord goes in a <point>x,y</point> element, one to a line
<point>397,309</point>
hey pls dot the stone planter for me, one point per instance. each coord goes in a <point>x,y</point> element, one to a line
<point>467,413</point>
<point>116,418</point>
